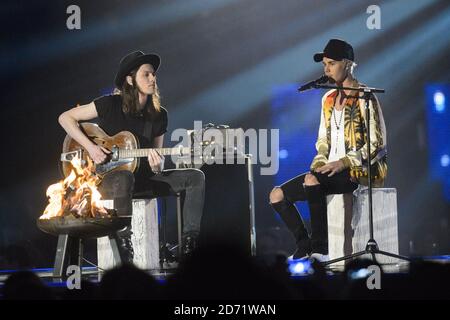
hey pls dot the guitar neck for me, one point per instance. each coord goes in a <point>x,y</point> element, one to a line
<point>140,153</point>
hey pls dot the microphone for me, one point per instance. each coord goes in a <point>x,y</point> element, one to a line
<point>312,84</point>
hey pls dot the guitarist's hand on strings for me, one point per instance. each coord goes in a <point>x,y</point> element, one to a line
<point>97,153</point>
<point>155,161</point>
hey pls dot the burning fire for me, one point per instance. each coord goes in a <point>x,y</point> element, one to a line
<point>76,195</point>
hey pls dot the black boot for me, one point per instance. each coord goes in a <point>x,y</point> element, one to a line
<point>125,245</point>
<point>190,243</point>
<point>292,219</point>
<point>317,204</point>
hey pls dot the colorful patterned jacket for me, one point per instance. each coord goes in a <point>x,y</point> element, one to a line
<point>355,142</point>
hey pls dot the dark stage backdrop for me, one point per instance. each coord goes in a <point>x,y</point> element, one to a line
<point>221,61</point>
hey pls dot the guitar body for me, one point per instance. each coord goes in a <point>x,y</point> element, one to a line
<point>122,140</point>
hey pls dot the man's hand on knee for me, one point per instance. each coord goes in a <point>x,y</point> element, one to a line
<point>311,180</point>
<point>276,195</point>
<point>331,167</point>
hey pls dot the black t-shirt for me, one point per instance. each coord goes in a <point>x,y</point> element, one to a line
<point>112,120</point>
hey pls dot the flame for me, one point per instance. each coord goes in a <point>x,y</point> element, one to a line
<point>77,194</point>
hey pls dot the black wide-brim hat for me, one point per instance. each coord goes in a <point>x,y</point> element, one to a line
<point>336,49</point>
<point>132,61</point>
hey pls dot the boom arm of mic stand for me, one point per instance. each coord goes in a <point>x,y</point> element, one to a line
<point>360,89</point>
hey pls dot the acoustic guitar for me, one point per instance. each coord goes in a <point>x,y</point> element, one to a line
<point>124,147</point>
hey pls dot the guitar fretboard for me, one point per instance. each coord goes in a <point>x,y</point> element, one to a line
<point>139,153</point>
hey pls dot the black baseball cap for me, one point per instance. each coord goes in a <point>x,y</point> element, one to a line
<point>336,49</point>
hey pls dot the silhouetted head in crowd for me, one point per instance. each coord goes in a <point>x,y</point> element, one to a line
<point>87,291</point>
<point>128,282</point>
<point>431,280</point>
<point>223,271</point>
<point>25,285</point>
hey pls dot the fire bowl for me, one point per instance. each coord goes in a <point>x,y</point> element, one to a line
<point>79,227</point>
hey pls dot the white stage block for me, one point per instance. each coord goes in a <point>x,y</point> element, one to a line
<point>348,222</point>
<point>339,213</point>
<point>384,203</point>
<point>145,237</point>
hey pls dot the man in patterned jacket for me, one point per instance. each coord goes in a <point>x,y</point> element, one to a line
<point>341,161</point>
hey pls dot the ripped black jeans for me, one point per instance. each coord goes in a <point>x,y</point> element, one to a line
<point>295,190</point>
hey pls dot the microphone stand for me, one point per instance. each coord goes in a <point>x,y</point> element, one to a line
<point>371,246</point>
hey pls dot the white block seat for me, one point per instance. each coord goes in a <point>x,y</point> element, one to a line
<point>146,231</point>
<point>348,223</point>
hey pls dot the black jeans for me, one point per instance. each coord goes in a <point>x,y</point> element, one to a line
<point>190,183</point>
<point>295,190</point>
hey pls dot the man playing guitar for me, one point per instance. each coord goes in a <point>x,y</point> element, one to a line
<point>135,106</point>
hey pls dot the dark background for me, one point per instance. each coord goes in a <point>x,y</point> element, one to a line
<point>220,60</point>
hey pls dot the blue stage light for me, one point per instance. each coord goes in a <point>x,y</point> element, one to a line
<point>283,154</point>
<point>438,127</point>
<point>439,101</point>
<point>300,267</point>
<point>359,274</point>
<point>445,160</point>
